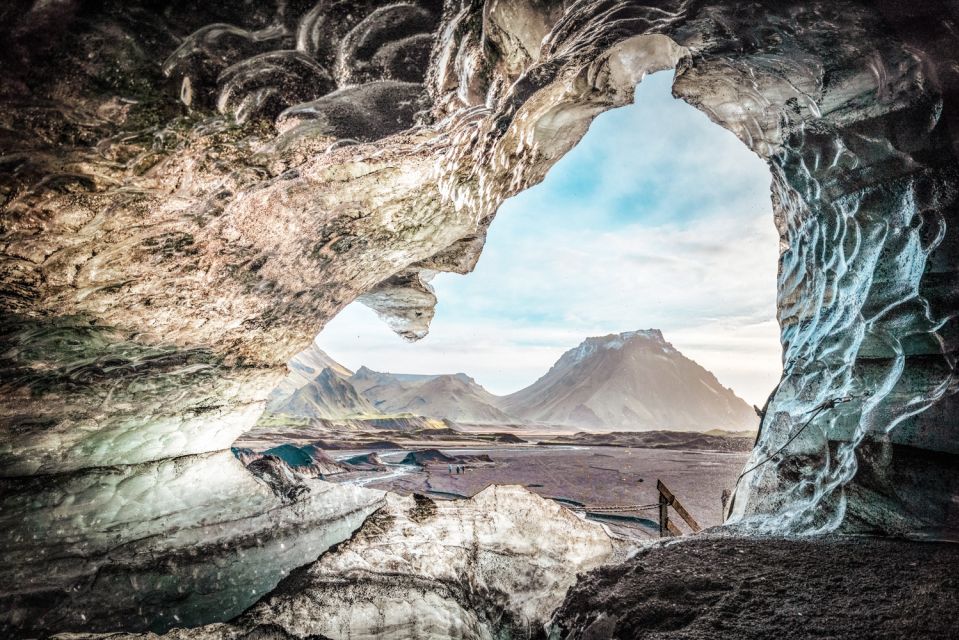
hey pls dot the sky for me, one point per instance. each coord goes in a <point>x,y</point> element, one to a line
<point>658,218</point>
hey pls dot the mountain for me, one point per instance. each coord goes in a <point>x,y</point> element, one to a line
<point>328,396</point>
<point>454,396</point>
<point>303,368</point>
<point>337,394</point>
<point>630,381</point>
<point>365,379</point>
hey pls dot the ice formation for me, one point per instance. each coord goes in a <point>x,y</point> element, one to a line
<point>167,246</point>
<point>494,566</point>
<point>173,543</point>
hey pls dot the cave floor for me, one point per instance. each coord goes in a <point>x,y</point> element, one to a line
<point>743,588</point>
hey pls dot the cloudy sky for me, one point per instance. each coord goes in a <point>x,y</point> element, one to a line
<point>657,219</point>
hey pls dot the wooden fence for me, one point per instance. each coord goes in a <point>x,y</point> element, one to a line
<point>667,500</point>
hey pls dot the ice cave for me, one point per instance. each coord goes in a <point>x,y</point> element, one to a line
<point>190,191</point>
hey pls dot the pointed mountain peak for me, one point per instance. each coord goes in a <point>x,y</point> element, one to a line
<point>313,360</point>
<point>328,373</point>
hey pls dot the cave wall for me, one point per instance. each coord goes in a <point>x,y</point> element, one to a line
<point>190,191</point>
<point>862,150</point>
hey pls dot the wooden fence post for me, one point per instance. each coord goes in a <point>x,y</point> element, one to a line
<point>666,500</point>
<point>663,516</point>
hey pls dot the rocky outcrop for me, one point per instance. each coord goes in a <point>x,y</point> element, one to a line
<point>161,261</point>
<point>630,381</point>
<point>428,456</point>
<point>308,460</point>
<point>455,397</point>
<point>366,461</point>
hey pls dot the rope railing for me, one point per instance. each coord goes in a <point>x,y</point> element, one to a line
<point>617,508</point>
<point>666,500</point>
<point>828,404</point>
<point>832,403</point>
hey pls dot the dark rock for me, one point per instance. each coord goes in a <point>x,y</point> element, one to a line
<point>508,438</point>
<point>367,461</point>
<point>279,476</point>
<point>308,460</point>
<point>245,455</point>
<point>428,456</point>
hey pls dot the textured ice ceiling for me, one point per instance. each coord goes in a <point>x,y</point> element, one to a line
<point>190,191</point>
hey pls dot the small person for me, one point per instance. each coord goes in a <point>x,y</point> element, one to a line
<point>449,467</point>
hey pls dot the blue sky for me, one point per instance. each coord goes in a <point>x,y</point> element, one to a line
<point>657,219</point>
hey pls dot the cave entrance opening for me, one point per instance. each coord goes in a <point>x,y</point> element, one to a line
<point>630,295</point>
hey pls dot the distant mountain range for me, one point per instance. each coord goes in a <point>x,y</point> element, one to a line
<point>328,396</point>
<point>455,396</point>
<point>628,381</point>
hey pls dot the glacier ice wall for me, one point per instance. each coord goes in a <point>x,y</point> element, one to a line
<point>864,186</point>
<point>189,194</point>
<point>493,566</point>
<point>149,546</point>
